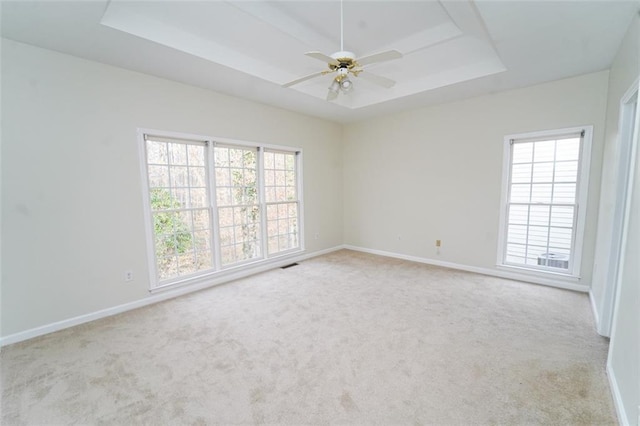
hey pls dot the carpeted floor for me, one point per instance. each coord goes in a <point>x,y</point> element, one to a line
<point>346,338</point>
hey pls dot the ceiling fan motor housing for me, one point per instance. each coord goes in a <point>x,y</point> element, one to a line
<point>344,56</point>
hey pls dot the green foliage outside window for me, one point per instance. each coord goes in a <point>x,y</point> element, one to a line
<point>172,234</point>
<point>245,193</point>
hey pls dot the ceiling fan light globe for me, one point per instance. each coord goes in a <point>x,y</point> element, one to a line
<point>346,85</point>
<point>335,87</point>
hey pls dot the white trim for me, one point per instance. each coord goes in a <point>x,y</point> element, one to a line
<point>262,200</point>
<point>540,273</point>
<point>615,390</point>
<point>617,396</point>
<point>558,283</point>
<point>199,138</point>
<point>624,164</point>
<point>232,270</point>
<point>299,182</point>
<point>158,297</point>
<point>594,309</point>
<point>146,207</point>
<point>582,197</point>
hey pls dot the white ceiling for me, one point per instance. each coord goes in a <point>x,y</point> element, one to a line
<point>452,49</point>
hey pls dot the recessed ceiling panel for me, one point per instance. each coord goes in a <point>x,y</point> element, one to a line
<point>268,40</point>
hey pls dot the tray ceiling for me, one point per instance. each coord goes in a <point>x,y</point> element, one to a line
<point>452,49</point>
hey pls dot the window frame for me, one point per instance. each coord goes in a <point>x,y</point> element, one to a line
<point>214,204</point>
<point>217,269</point>
<point>582,190</point>
<point>297,201</point>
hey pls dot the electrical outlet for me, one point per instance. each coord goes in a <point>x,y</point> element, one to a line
<point>128,276</point>
<point>316,236</point>
<point>438,243</point>
<point>399,237</point>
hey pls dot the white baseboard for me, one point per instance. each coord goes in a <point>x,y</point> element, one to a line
<point>157,297</point>
<point>479,270</point>
<point>617,397</point>
<point>596,316</point>
<point>170,293</point>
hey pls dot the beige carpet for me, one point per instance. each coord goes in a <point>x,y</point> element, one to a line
<point>346,338</point>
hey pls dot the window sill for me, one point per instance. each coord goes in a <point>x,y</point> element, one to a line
<point>551,275</point>
<point>231,273</point>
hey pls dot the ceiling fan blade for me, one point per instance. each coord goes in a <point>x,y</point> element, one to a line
<point>305,78</point>
<point>379,57</point>
<point>331,95</point>
<point>377,79</point>
<point>322,57</point>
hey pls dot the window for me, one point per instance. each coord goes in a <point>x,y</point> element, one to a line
<point>281,195</point>
<point>217,205</point>
<point>238,204</point>
<point>544,193</point>
<point>179,206</point>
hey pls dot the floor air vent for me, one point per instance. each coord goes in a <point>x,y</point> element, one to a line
<point>288,266</point>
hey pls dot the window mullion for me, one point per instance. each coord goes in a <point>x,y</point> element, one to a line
<point>262,202</point>
<point>553,186</point>
<point>213,207</point>
<point>526,242</point>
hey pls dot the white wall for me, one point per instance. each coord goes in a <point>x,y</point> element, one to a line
<point>72,218</point>
<point>623,72</point>
<point>435,173</point>
<point>624,351</point>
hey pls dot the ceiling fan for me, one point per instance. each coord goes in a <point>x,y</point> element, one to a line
<point>344,63</point>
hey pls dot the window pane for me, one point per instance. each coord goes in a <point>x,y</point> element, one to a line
<point>560,238</point>
<point>521,173</point>
<point>225,216</point>
<point>566,171</point>
<point>221,157</point>
<point>517,234</point>
<point>538,236</point>
<point>167,267</point>
<point>522,152</point>
<point>544,151</point>
<point>542,172</point>
<point>562,216</point>
<point>539,215</point>
<point>179,176</point>
<point>178,154</point>
<point>568,149</point>
<point>564,193</point>
<point>518,214</point>
<point>195,155</point>
<point>520,193</point>
<point>157,153</point>
<point>204,260</point>
<point>197,177</point>
<point>541,193</point>
<point>158,176</point>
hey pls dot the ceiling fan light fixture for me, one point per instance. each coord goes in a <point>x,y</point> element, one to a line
<point>346,85</point>
<point>344,63</point>
<point>335,86</point>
